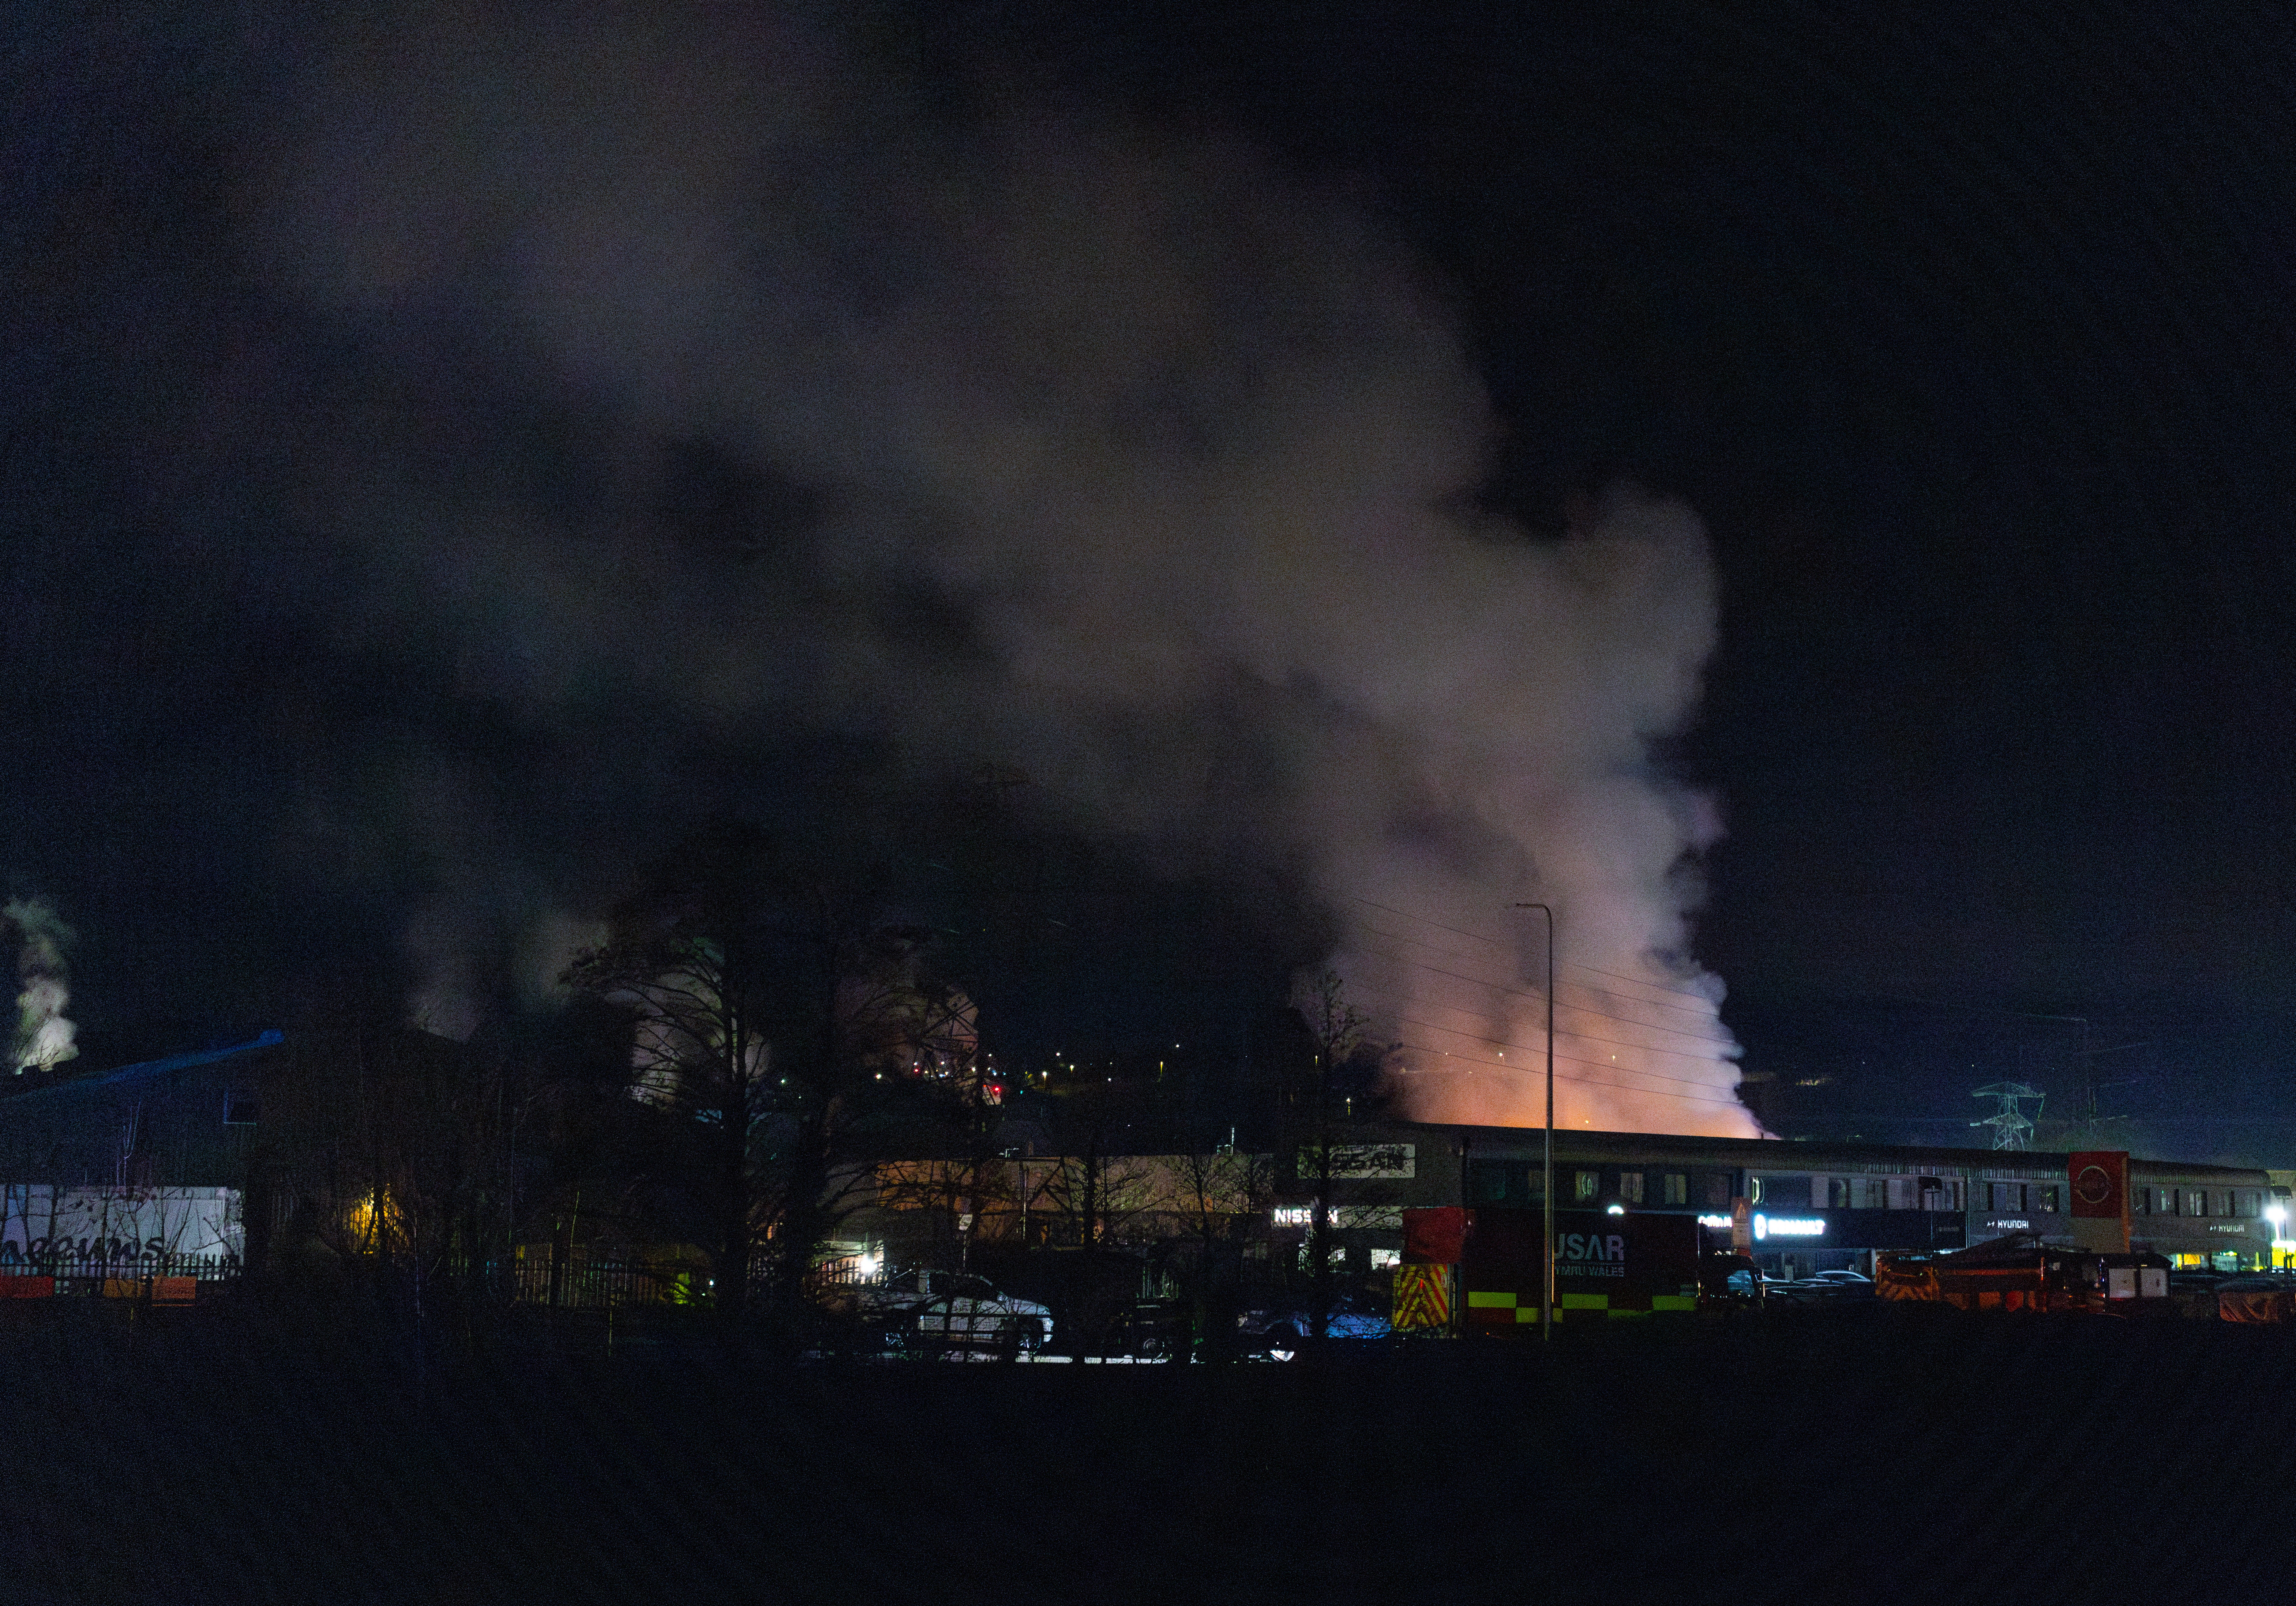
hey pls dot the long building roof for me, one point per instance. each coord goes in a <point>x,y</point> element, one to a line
<point>1772,1154</point>
<point>148,1069</point>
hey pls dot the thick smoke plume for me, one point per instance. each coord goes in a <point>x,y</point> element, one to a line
<point>1127,459</point>
<point>44,1037</point>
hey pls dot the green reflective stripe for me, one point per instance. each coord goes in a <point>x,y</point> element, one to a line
<point>1616,1315</point>
<point>1674,1302</point>
<point>1526,1312</point>
<point>1586,1302</point>
<point>1490,1302</point>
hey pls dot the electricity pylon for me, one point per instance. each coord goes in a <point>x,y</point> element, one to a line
<point>2011,1127</point>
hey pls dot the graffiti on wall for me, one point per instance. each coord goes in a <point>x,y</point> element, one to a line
<point>39,1221</point>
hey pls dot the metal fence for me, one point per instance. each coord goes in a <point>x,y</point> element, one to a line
<point>165,1279</point>
<point>578,1282</point>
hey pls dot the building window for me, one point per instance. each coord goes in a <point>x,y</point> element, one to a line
<point>1585,1185</point>
<point>2196,1201</point>
<point>1717,1191</point>
<point>1490,1183</point>
<point>2050,1199</point>
<point>1677,1188</point>
<point>240,1109</point>
<point>1754,1190</point>
<point>1630,1187</point>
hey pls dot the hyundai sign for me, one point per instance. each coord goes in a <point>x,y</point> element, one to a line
<point>1789,1226</point>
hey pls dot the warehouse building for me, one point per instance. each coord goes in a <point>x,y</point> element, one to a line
<point>1818,1206</point>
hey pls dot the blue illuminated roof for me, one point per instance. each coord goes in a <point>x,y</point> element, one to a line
<point>147,1070</point>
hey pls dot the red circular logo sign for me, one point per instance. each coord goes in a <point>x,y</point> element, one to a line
<point>2094,1185</point>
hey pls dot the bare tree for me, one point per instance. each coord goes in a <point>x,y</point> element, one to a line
<point>1094,1207</point>
<point>1337,1028</point>
<point>1218,1191</point>
<point>773,1013</point>
<point>394,1144</point>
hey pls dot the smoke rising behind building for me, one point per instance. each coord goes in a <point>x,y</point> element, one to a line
<point>1124,456</point>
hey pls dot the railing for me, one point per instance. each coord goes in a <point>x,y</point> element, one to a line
<point>584,1284</point>
<point>168,1279</point>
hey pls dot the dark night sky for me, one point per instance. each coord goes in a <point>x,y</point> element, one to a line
<point>1969,334</point>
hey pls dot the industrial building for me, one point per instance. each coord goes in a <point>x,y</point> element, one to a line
<point>1815,1205</point>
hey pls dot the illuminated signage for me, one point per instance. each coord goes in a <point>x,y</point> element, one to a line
<point>1719,1224</point>
<point>1360,1218</point>
<point>2012,1223</point>
<point>1789,1226</point>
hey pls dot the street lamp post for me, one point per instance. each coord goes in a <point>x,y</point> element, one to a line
<point>1546,1299</point>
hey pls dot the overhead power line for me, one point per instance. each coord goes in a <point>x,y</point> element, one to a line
<point>1494,942</point>
<point>1537,1052</point>
<point>1471,935</point>
<point>1706,1013</point>
<point>1647,1092</point>
<point>1560,1032</point>
<point>1540,998</point>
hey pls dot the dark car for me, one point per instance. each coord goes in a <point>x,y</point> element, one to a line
<point>1730,1282</point>
<point>953,1314</point>
<point>1278,1335</point>
<point>1831,1287</point>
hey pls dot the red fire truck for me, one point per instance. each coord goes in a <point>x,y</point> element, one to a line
<point>2020,1272</point>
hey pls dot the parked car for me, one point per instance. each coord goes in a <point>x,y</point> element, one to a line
<point>1728,1283</point>
<point>1833,1287</point>
<point>952,1313</point>
<point>1277,1335</point>
<point>1798,1290</point>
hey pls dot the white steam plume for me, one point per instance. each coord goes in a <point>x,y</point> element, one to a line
<point>1132,461</point>
<point>44,1036</point>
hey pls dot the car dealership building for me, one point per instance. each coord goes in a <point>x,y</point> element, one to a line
<point>1814,1205</point>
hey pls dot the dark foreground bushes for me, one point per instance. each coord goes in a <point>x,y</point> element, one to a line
<point>250,1456</point>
